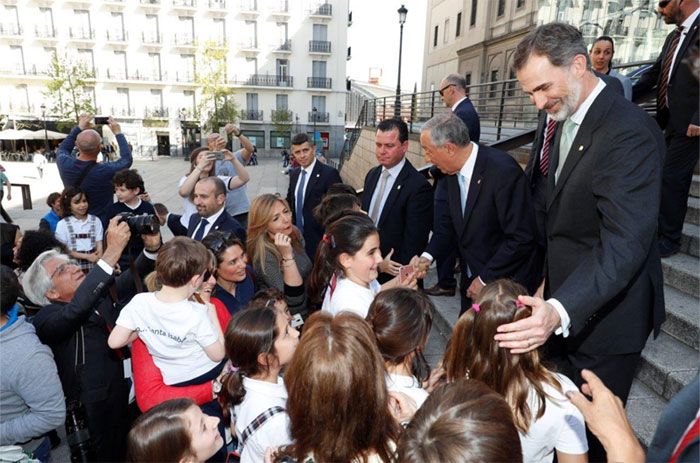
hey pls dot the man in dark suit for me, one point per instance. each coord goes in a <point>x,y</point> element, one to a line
<point>486,214</point>
<point>677,113</point>
<point>603,274</point>
<point>398,199</point>
<point>77,315</point>
<point>453,91</point>
<point>307,185</point>
<point>210,199</point>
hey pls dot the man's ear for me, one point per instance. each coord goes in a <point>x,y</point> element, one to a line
<point>579,65</point>
<point>51,294</point>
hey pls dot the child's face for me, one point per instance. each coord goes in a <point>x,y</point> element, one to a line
<point>126,195</point>
<point>56,206</point>
<point>362,267</point>
<point>206,440</point>
<point>287,339</point>
<point>79,205</point>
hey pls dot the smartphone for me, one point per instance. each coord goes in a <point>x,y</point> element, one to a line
<point>296,321</point>
<point>101,120</point>
<point>218,155</point>
<point>405,273</point>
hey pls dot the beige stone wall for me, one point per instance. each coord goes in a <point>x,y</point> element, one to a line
<point>363,158</point>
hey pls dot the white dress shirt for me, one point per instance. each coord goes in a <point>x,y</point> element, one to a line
<point>454,106</point>
<point>390,180</point>
<point>211,219</point>
<point>686,28</point>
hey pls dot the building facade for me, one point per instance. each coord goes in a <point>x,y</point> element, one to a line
<point>285,60</point>
<point>477,38</point>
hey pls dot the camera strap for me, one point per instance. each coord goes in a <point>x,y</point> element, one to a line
<point>84,173</point>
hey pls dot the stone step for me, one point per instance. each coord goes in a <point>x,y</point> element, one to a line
<point>695,186</point>
<point>667,365</point>
<point>682,317</point>
<point>682,271</point>
<point>644,408</point>
<point>693,213</point>
<point>690,240</point>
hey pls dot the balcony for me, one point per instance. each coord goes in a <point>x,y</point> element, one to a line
<point>150,4</point>
<point>282,115</point>
<point>13,69</point>
<point>82,34</point>
<point>284,47</point>
<point>322,11</point>
<point>34,70</point>
<point>116,74</point>
<point>10,29</point>
<point>252,114</point>
<point>184,40</point>
<point>266,80</point>
<point>185,4</point>
<point>150,76</point>
<point>21,109</point>
<point>319,117</point>
<point>280,8</point>
<point>122,111</point>
<point>151,38</point>
<point>248,46</point>
<point>217,5</point>
<point>114,4</point>
<point>319,46</point>
<point>155,113</point>
<point>45,32</point>
<point>184,76</point>
<point>248,8</point>
<point>318,82</point>
<point>117,36</point>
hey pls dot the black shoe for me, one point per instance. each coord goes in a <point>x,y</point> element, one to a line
<point>667,248</point>
<point>438,291</point>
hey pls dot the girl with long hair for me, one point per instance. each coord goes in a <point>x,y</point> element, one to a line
<point>174,431</point>
<point>346,267</point>
<point>259,342</point>
<point>545,418</point>
<point>401,319</point>
<point>338,400</point>
<point>276,249</point>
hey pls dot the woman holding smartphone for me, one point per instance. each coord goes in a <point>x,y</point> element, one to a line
<point>202,162</point>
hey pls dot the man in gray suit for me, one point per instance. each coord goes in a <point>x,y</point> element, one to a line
<point>603,280</point>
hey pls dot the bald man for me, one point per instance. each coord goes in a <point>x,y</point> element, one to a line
<point>83,171</point>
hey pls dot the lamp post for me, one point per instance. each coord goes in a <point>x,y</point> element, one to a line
<point>46,134</point>
<point>397,104</point>
<point>314,113</point>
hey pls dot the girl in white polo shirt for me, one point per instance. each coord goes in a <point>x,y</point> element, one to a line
<point>259,342</point>
<point>401,319</point>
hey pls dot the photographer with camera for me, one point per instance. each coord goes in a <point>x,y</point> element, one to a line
<point>77,316</point>
<point>84,171</point>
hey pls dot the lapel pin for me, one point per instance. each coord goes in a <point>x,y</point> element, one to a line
<point>318,175</point>
<point>398,187</point>
<point>478,182</point>
<point>580,148</point>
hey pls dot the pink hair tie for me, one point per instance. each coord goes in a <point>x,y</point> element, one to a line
<point>476,308</point>
<point>519,304</point>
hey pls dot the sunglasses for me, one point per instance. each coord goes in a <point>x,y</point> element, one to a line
<point>63,267</point>
<point>663,3</point>
<point>208,273</point>
<point>221,241</point>
<point>445,88</point>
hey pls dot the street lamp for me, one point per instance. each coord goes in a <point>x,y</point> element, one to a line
<point>397,104</point>
<point>314,114</point>
<point>46,134</point>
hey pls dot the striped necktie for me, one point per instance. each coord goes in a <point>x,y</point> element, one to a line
<point>662,94</point>
<point>548,135</point>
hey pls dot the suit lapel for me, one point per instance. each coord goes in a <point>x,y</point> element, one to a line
<point>690,37</point>
<point>454,200</point>
<point>475,184</point>
<point>372,180</point>
<point>312,180</point>
<point>395,191</point>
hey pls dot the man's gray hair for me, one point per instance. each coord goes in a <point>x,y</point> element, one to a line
<point>560,43</point>
<point>447,127</point>
<point>457,80</point>
<point>36,281</point>
<point>88,141</point>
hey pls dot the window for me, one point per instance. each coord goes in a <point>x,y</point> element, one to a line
<point>251,66</point>
<point>251,101</point>
<point>280,140</point>
<point>45,27</point>
<point>493,88</point>
<point>251,33</point>
<point>511,85</point>
<point>220,31</point>
<point>472,16</point>
<point>521,3</point>
<point>468,79</point>
<point>186,27</point>
<point>282,102</point>
<point>120,68</point>
<point>117,27</point>
<point>81,23</point>
<point>17,59</point>
<point>501,8</point>
<point>86,58</point>
<point>458,25</point>
<point>282,67</point>
<point>189,103</point>
<point>47,58</point>
<point>282,32</point>
<point>446,31</point>
<point>319,102</point>
<point>320,32</point>
<point>186,69</point>
<point>318,69</point>
<point>155,70</point>
<point>156,102</point>
<point>20,98</point>
<point>256,137</point>
<point>123,104</point>
<point>435,36</point>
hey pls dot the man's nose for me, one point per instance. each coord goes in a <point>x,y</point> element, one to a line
<point>540,101</point>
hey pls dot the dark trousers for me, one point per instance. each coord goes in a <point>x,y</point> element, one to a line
<point>176,228</point>
<point>616,372</point>
<point>108,422</point>
<point>464,301</point>
<point>679,164</point>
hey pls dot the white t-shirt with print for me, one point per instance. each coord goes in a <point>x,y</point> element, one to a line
<point>561,427</point>
<point>409,385</point>
<point>175,334</point>
<point>348,296</point>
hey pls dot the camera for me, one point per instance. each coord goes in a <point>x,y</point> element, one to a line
<point>101,120</point>
<point>144,224</point>
<point>218,155</point>
<point>77,433</point>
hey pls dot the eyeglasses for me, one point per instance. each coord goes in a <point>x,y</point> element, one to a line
<point>63,267</point>
<point>663,3</point>
<point>445,88</point>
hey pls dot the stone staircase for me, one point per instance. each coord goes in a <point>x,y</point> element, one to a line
<point>671,361</point>
<point>668,362</point>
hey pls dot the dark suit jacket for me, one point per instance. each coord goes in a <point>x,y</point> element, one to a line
<point>682,86</point>
<point>602,260</point>
<point>465,111</point>
<point>496,238</point>
<point>406,219</point>
<point>224,223</point>
<point>322,177</point>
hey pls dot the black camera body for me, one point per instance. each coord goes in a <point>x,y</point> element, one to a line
<point>143,224</point>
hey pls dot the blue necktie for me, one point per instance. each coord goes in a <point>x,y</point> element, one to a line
<point>462,191</point>
<point>299,207</point>
<point>200,231</point>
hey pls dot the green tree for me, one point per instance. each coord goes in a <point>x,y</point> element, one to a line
<point>282,120</point>
<point>67,88</point>
<point>217,105</point>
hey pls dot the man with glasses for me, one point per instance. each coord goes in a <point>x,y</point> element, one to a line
<point>677,114</point>
<point>77,316</point>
